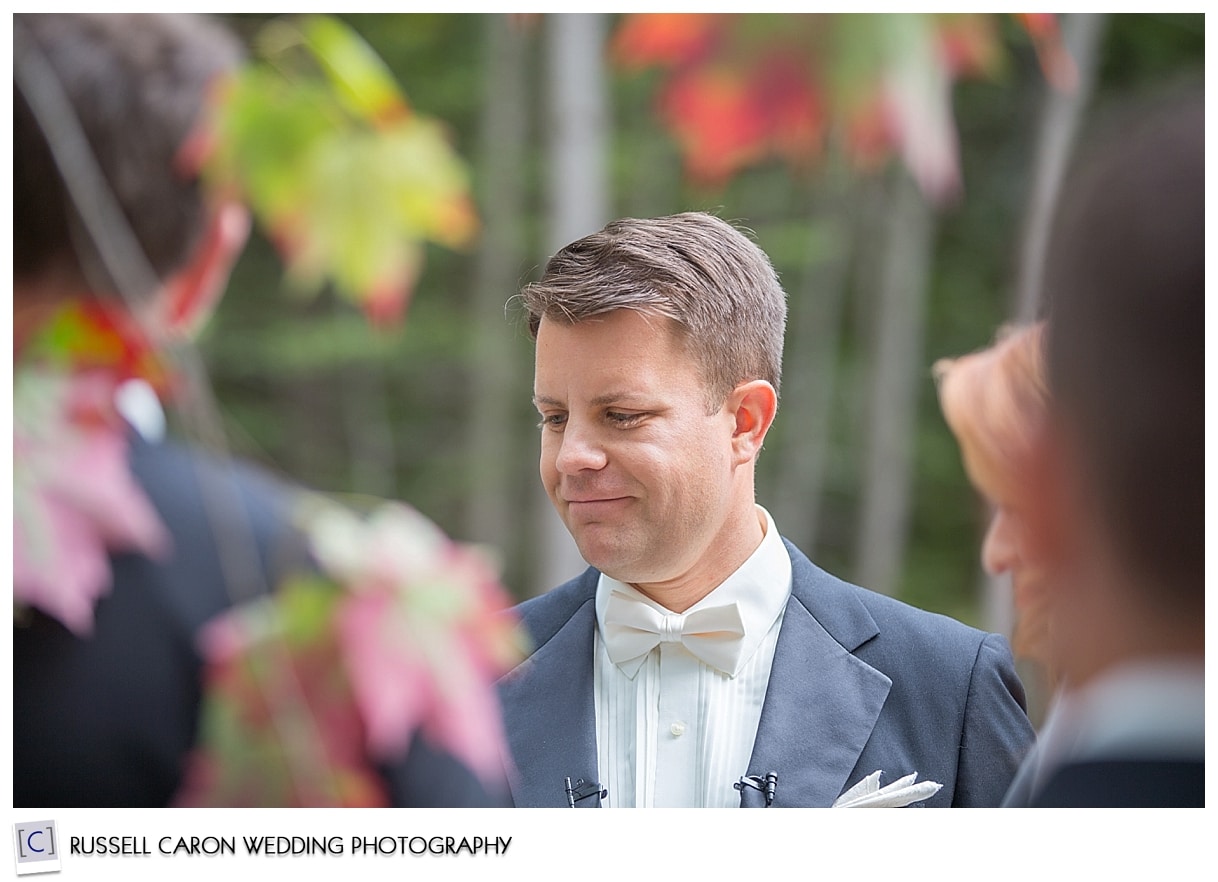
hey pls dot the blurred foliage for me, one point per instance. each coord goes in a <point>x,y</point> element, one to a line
<point>305,388</point>
<point>740,88</point>
<point>345,176</point>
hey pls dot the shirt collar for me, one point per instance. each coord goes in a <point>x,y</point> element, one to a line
<point>760,586</point>
<point>1137,709</point>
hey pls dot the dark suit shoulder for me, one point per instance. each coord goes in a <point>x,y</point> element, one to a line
<point>956,708</point>
<point>1132,783</point>
<point>907,629</point>
<point>231,525</point>
<point>545,614</point>
<point>184,482</point>
<point>858,617</point>
<point>136,679</point>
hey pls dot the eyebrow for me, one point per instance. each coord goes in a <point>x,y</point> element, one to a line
<point>598,401</point>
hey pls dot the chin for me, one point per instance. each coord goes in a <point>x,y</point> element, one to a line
<point>628,571</point>
<point>612,562</point>
<point>606,563</point>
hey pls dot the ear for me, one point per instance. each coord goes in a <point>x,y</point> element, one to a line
<point>752,406</point>
<point>190,295</point>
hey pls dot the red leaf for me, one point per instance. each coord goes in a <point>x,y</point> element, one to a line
<point>968,45</point>
<point>791,107</point>
<point>385,304</point>
<point>870,134</point>
<point>714,118</point>
<point>668,39</point>
<point>1056,62</point>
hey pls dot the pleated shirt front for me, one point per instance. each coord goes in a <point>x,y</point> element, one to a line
<point>679,733</point>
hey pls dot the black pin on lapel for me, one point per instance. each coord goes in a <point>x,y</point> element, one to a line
<point>581,790</point>
<point>767,784</point>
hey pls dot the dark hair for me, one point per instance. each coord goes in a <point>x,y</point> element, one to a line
<point>135,85</point>
<point>1125,283</point>
<point>695,269</point>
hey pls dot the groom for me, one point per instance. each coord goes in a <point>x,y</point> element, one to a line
<point>702,660</point>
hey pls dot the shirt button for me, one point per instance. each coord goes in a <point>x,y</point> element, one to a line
<point>677,729</point>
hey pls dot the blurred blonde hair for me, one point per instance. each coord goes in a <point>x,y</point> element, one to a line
<point>994,401</point>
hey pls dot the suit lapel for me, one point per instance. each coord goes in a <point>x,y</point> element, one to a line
<point>550,715</point>
<point>822,702</point>
<point>820,707</point>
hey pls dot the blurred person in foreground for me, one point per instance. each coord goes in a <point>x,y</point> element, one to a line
<point>1115,489</point>
<point>159,588</point>
<point>702,660</point>
<point>995,401</point>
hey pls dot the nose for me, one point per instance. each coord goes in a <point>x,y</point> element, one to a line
<point>1000,550</point>
<point>578,450</point>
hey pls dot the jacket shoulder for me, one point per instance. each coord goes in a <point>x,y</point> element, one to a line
<point>848,609</point>
<point>882,628</point>
<point>543,616</point>
<point>956,709</point>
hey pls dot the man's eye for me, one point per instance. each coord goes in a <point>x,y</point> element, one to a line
<point>623,420</point>
<point>553,421</point>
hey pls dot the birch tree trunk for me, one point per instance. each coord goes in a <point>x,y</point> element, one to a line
<point>578,203</point>
<point>1059,123</point>
<point>895,373</point>
<point>810,366</point>
<point>498,381</point>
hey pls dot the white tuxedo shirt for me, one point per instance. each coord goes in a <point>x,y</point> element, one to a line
<point>676,732</point>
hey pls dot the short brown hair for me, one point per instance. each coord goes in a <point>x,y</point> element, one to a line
<point>706,276</point>
<point>136,86</point>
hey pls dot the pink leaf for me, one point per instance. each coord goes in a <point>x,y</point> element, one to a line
<point>420,633</point>
<point>391,683</point>
<point>74,499</point>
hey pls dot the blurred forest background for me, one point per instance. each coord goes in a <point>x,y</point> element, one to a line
<point>890,259</point>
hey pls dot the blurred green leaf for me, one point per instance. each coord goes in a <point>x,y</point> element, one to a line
<point>342,178</point>
<point>362,81</point>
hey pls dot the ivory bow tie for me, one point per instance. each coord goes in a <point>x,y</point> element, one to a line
<point>633,628</point>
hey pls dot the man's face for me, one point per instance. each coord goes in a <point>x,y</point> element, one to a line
<point>639,472</point>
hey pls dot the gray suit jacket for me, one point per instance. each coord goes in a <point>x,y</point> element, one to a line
<point>860,682</point>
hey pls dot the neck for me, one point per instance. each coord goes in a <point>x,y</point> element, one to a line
<point>734,544</point>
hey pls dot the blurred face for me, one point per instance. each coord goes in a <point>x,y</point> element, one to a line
<point>1005,550</point>
<point>1000,549</point>
<point>1008,549</point>
<point>641,475</point>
